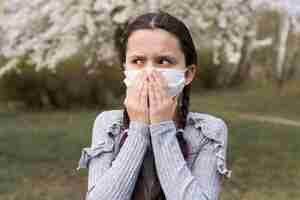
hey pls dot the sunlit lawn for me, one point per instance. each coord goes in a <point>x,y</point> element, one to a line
<point>39,151</point>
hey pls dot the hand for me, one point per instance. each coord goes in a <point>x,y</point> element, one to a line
<point>136,100</point>
<point>162,105</point>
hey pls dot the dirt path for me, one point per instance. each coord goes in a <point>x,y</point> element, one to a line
<point>271,119</point>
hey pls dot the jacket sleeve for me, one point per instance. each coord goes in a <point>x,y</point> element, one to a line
<point>179,182</point>
<point>113,179</point>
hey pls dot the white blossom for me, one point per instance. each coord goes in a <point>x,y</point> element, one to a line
<point>50,32</point>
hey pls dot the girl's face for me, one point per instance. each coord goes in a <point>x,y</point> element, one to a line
<point>153,48</point>
<point>156,48</point>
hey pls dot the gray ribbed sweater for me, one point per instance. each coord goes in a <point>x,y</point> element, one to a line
<point>113,172</point>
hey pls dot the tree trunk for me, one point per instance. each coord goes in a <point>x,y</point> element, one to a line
<point>244,65</point>
<point>281,48</point>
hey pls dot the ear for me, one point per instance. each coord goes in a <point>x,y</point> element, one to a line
<point>190,74</point>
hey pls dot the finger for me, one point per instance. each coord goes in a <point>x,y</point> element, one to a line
<point>140,82</point>
<point>152,95</point>
<point>174,105</point>
<point>143,97</point>
<point>159,88</point>
<point>153,87</point>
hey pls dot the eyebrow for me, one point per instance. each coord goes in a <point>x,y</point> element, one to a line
<point>172,59</point>
<point>168,57</point>
<point>137,56</point>
<point>164,55</point>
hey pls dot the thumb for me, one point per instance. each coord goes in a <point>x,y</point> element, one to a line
<point>174,102</point>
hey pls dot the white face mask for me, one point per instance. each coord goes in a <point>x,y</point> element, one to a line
<point>174,77</point>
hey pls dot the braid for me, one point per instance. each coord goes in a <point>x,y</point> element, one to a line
<point>126,119</point>
<point>125,125</point>
<point>185,104</point>
<point>184,110</point>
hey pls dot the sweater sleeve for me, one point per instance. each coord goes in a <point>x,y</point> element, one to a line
<point>114,179</point>
<point>202,182</point>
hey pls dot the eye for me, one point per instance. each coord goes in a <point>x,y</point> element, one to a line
<point>137,61</point>
<point>165,61</point>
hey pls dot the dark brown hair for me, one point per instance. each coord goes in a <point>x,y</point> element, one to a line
<point>167,22</point>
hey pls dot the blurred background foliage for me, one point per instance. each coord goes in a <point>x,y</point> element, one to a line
<point>81,76</point>
<point>74,84</point>
<point>70,86</point>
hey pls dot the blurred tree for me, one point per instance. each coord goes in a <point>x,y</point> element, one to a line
<point>289,24</point>
<point>286,52</point>
<point>227,27</point>
<point>49,32</point>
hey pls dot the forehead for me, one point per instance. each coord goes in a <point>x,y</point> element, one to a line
<point>153,41</point>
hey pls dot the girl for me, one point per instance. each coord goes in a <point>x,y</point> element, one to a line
<point>155,148</point>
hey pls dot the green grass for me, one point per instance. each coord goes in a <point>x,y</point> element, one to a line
<point>39,151</point>
<point>251,98</point>
<point>265,161</point>
<point>39,154</point>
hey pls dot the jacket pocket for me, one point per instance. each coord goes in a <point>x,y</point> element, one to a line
<point>89,153</point>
